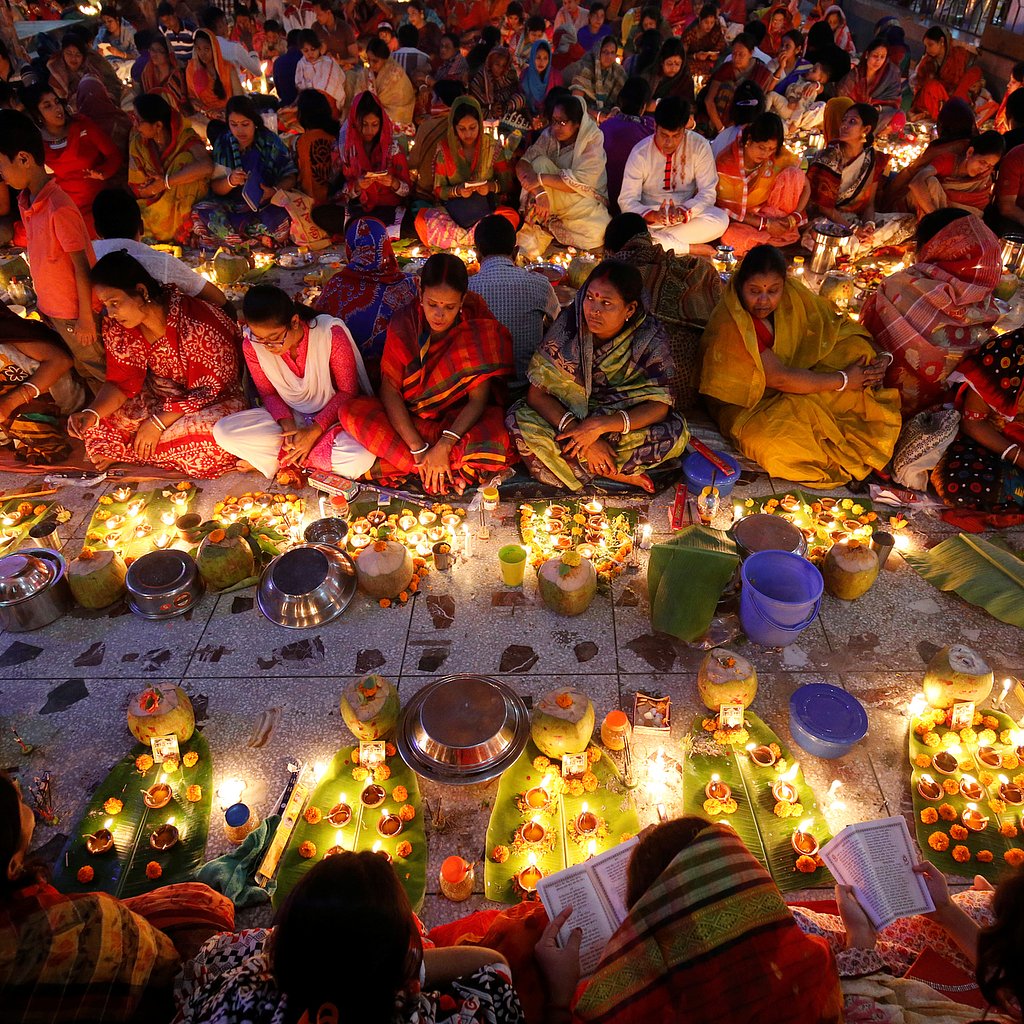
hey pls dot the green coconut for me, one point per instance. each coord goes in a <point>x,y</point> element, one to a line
<point>384,569</point>
<point>562,722</point>
<point>566,588</point>
<point>229,268</point>
<point>579,270</point>
<point>369,708</point>
<point>97,578</point>
<point>224,560</point>
<point>837,287</point>
<point>161,711</point>
<point>850,568</point>
<point>957,673</point>
<point>1007,287</point>
<point>725,677</point>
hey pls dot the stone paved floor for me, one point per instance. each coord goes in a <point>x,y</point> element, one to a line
<point>66,687</point>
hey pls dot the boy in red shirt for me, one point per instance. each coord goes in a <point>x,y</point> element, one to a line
<point>58,247</point>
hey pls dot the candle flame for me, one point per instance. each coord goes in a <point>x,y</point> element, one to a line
<point>805,825</point>
<point>531,860</point>
<point>584,806</point>
<point>108,823</point>
<point>337,837</point>
<point>376,847</point>
<point>791,774</point>
<point>972,807</point>
<point>928,779</point>
<point>342,799</point>
<point>917,704</point>
<point>714,778</point>
<point>170,820</point>
<point>592,847</point>
<point>230,792</point>
<point>1003,779</point>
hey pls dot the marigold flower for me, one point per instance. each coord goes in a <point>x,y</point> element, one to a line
<point>939,841</point>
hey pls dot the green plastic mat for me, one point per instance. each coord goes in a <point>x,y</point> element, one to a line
<point>767,836</point>
<point>122,871</point>
<point>999,814</point>
<point>136,509</point>
<point>563,846</point>
<point>361,831</point>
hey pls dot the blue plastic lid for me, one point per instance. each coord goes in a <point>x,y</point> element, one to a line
<point>236,814</point>
<point>829,713</point>
<point>698,470</point>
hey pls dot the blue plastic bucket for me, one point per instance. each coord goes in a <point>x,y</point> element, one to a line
<point>780,597</point>
<point>825,720</point>
<point>699,472</point>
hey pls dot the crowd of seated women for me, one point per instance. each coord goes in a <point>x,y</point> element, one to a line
<point>346,945</point>
<point>612,129</point>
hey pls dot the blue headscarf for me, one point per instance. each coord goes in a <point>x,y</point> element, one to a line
<point>535,85</point>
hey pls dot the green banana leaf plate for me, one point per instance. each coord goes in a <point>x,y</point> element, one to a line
<point>953,805</point>
<point>361,831</point>
<point>156,506</point>
<point>767,836</point>
<point>121,872</point>
<point>14,533</point>
<point>563,845</point>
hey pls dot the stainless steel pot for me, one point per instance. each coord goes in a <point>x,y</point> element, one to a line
<point>34,589</point>
<point>1013,254</point>
<point>162,584</point>
<point>829,241</point>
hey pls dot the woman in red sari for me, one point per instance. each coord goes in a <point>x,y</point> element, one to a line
<point>172,372</point>
<point>163,75</point>
<point>876,80</point>
<point>778,21</point>
<point>440,414</point>
<point>946,69</point>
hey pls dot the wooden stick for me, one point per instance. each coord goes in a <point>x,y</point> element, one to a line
<point>29,494</point>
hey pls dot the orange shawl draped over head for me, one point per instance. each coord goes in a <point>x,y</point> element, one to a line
<point>712,917</point>
<point>201,82</point>
<point>937,311</point>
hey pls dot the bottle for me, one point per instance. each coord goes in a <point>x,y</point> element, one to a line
<point>456,879</point>
<point>616,730</point>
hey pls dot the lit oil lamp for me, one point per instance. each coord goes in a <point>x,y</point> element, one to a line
<point>945,763</point>
<point>425,549</point>
<point>376,518</point>
<point>451,522</point>
<point>383,853</point>
<point>333,851</point>
<point>163,541</point>
<point>426,517</point>
<point>114,522</point>
<point>564,542</point>
<point>554,527</point>
<point>180,498</point>
<point>533,832</point>
<point>990,757</point>
<point>359,541</point>
<point>586,550</point>
<point>389,826</point>
<point>121,493</point>
<point>111,539</point>
<point>142,530</point>
<point>783,792</point>
<point>435,534</point>
<point>929,788</point>
<point>803,841</point>
<point>372,796</point>
<point>158,795</point>
<point>12,519</point>
<point>716,789</point>
<point>406,522</point>
<point>340,814</point>
<point>538,798</point>
<point>970,788</point>
<point>974,819</point>
<point>101,841</point>
<point>529,878</point>
<point>763,756</point>
<point>593,508</point>
<point>586,821</point>
<point>165,836</point>
<point>167,518</point>
<point>1010,791</point>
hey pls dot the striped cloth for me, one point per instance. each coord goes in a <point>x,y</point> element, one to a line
<point>712,918</point>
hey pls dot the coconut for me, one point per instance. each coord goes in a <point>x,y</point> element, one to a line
<point>850,568</point>
<point>954,674</point>
<point>837,287</point>
<point>384,569</point>
<point>579,270</point>
<point>1007,287</point>
<point>161,711</point>
<point>567,584</point>
<point>369,707</point>
<point>97,578</point>
<point>562,722</point>
<point>224,560</point>
<point>725,677</point>
<point>229,268</point>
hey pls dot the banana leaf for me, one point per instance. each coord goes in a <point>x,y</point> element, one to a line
<point>685,580</point>
<point>766,836</point>
<point>982,573</point>
<point>13,534</point>
<point>999,814</point>
<point>157,505</point>
<point>361,832</point>
<point>122,871</point>
<point>563,846</point>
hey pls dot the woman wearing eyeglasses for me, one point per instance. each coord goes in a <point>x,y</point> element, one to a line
<point>305,366</point>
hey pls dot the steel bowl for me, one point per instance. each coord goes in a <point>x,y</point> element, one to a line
<point>765,532</point>
<point>162,584</point>
<point>34,589</point>
<point>307,586</point>
<point>331,530</point>
<point>463,729</point>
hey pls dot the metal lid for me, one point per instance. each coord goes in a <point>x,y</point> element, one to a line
<point>302,571</point>
<point>22,575</point>
<point>160,572</point>
<point>764,532</point>
<point>307,586</point>
<point>463,729</point>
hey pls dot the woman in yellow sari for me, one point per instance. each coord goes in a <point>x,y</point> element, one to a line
<point>796,387</point>
<point>168,169</point>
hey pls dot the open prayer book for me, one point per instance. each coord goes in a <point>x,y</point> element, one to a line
<point>876,859</point>
<point>596,891</point>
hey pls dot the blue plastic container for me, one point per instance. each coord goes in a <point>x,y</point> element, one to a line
<point>698,472</point>
<point>825,720</point>
<point>780,597</point>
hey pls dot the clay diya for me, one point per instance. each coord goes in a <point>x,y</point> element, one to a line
<point>143,530</point>
<point>383,853</point>
<point>974,819</point>
<point>762,756</point>
<point>783,792</point>
<point>158,795</point>
<point>586,822</point>
<point>533,832</point>
<point>990,757</point>
<point>164,837</point>
<point>929,788</point>
<point>804,843</point>
<point>593,508</point>
<point>970,788</point>
<point>436,534</point>
<point>451,522</point>
<point>538,798</point>
<point>101,841</point>
<point>372,796</point>
<point>1010,791</point>
<point>717,790</point>
<point>121,493</point>
<point>340,815</point>
<point>167,518</point>
<point>376,517</point>
<point>406,522</point>
<point>529,878</point>
<point>389,825</point>
<point>426,517</point>
<point>945,763</point>
<point>359,541</point>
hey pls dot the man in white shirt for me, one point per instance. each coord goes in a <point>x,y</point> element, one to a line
<point>671,181</point>
<point>119,226</point>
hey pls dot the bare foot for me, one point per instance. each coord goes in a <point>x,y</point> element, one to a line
<point>700,249</point>
<point>982,884</point>
<point>641,480</point>
<point>102,465</point>
<point>242,466</point>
